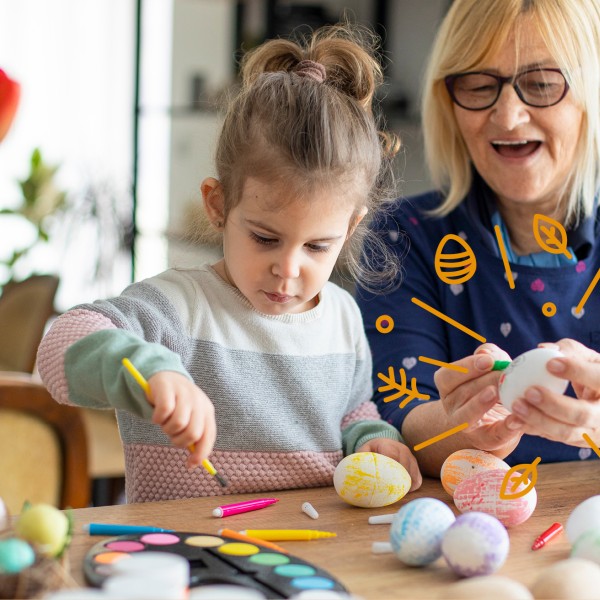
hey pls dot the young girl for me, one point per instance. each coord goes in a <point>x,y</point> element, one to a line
<point>257,360</point>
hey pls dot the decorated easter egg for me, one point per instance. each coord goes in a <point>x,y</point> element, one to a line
<point>526,370</point>
<point>454,260</point>
<point>15,555</point>
<point>584,516</point>
<point>462,464</point>
<point>570,579</point>
<point>490,587</point>
<point>481,492</point>
<point>475,544</point>
<point>44,526</point>
<point>417,530</point>
<point>587,546</point>
<point>369,479</point>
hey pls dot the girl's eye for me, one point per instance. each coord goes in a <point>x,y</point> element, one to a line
<point>317,248</point>
<point>262,240</point>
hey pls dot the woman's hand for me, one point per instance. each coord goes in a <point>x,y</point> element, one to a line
<point>472,397</point>
<point>559,417</point>
<point>400,453</point>
<point>185,413</point>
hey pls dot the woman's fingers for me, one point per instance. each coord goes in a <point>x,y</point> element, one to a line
<point>467,369</point>
<point>583,373</point>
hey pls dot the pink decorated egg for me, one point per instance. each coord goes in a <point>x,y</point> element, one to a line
<point>462,464</point>
<point>481,492</point>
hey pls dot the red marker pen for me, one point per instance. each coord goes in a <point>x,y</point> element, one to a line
<point>241,507</point>
<point>551,532</point>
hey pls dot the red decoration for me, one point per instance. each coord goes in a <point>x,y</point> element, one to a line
<point>9,99</point>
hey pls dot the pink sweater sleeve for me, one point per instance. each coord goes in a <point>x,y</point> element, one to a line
<point>65,331</point>
<point>367,411</point>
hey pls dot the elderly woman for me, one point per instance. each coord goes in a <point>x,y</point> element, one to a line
<point>511,119</point>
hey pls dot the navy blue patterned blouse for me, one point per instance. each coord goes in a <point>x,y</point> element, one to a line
<point>511,318</point>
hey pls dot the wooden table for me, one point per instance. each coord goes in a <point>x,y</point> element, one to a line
<point>348,557</point>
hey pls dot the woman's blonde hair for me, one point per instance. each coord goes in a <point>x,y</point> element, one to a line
<point>311,125</point>
<point>472,33</point>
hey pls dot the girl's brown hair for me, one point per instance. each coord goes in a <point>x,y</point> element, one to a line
<point>313,128</point>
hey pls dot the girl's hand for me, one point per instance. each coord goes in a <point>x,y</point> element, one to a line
<point>400,453</point>
<point>472,397</point>
<point>185,413</point>
<point>563,418</point>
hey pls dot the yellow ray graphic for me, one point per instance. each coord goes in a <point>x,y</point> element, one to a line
<point>589,290</point>
<point>440,437</point>
<point>448,320</point>
<point>445,365</point>
<point>593,446</point>
<point>509,275</point>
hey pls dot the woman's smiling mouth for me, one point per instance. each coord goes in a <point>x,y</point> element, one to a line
<point>515,148</point>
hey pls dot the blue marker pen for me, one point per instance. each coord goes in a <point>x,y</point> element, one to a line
<point>110,529</point>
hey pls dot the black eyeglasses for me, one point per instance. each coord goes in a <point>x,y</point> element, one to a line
<point>478,90</point>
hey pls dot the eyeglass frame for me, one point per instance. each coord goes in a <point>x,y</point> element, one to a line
<point>512,80</point>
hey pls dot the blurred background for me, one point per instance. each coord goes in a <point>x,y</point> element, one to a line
<point>116,123</point>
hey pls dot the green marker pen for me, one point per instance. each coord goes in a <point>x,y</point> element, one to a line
<point>500,365</point>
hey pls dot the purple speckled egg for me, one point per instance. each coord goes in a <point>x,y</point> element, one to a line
<point>475,544</point>
<point>481,493</point>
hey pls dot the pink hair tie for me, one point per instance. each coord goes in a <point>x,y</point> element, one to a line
<point>310,68</point>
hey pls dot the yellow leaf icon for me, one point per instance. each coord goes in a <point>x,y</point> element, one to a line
<point>522,478</point>
<point>554,232</point>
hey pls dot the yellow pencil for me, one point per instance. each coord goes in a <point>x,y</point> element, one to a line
<point>280,535</point>
<point>144,385</point>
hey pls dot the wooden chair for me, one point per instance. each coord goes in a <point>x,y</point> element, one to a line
<point>43,447</point>
<point>25,307</point>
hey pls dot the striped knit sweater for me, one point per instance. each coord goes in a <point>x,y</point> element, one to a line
<point>292,392</point>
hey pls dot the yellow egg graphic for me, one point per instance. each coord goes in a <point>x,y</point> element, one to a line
<point>462,464</point>
<point>368,479</point>
<point>454,267</point>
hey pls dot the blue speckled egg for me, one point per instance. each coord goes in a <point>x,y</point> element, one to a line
<point>417,530</point>
<point>15,555</point>
<point>475,544</point>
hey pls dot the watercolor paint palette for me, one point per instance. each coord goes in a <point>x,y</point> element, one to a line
<point>215,559</point>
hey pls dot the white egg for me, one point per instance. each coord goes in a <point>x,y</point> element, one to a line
<point>475,544</point>
<point>490,587</point>
<point>527,370</point>
<point>587,545</point>
<point>368,479</point>
<point>584,516</point>
<point>417,530</point>
<point>570,579</point>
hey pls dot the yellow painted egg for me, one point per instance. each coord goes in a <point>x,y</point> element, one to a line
<point>369,479</point>
<point>454,260</point>
<point>481,493</point>
<point>462,464</point>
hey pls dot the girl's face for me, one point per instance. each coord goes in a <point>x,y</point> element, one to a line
<point>280,258</point>
<point>525,154</point>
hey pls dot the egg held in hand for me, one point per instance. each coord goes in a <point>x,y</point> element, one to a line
<point>370,480</point>
<point>527,370</point>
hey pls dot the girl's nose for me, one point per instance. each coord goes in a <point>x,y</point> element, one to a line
<point>287,265</point>
<point>509,111</point>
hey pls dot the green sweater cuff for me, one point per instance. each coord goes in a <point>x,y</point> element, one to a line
<point>97,378</point>
<point>359,433</point>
